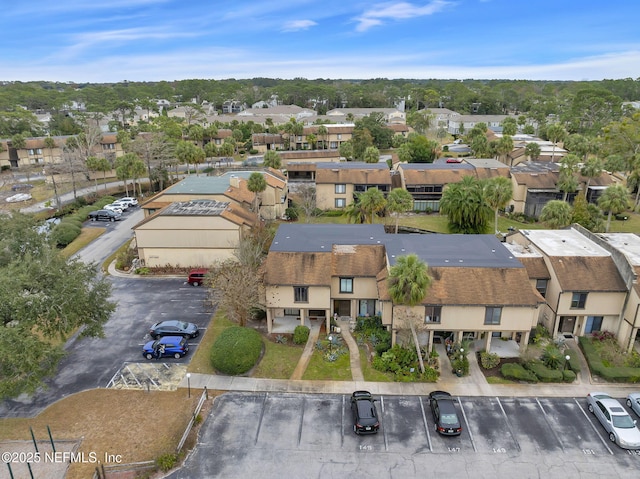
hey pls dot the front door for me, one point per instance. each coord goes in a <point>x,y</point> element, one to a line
<point>567,324</point>
<point>342,307</point>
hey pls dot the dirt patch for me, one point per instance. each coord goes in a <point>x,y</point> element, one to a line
<point>495,372</point>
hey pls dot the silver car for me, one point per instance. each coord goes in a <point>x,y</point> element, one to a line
<point>615,419</point>
<point>633,401</point>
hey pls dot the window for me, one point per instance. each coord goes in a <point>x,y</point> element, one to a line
<point>341,189</point>
<point>301,294</point>
<point>339,136</point>
<point>367,307</point>
<point>578,300</point>
<point>346,285</point>
<point>291,312</point>
<point>541,286</point>
<point>492,315</point>
<point>594,323</point>
<point>432,314</point>
<point>341,202</point>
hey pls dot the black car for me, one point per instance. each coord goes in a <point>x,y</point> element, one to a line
<point>174,328</point>
<point>104,215</point>
<point>444,413</point>
<point>365,416</point>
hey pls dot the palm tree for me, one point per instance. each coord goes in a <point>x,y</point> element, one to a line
<point>567,181</point>
<point>372,202</point>
<point>399,201</point>
<point>272,159</point>
<point>555,133</point>
<point>256,184</point>
<point>323,132</point>
<point>465,205</point>
<point>355,213</point>
<point>371,154</point>
<point>498,192</point>
<point>409,282</point>
<point>614,200</point>
<point>556,214</point>
<point>591,169</point>
<point>504,147</point>
<point>51,144</point>
<point>533,150</point>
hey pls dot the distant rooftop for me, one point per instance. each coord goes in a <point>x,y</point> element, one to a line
<point>443,165</point>
<point>435,249</point>
<point>193,185</point>
<point>351,165</point>
<point>564,243</point>
<point>627,243</point>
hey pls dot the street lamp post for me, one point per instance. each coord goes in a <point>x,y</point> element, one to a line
<point>330,344</point>
<point>566,361</point>
<point>189,384</point>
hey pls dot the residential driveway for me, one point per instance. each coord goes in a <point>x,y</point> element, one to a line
<point>274,435</point>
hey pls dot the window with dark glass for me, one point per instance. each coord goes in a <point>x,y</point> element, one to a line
<point>578,300</point>
<point>492,315</point>
<point>301,294</point>
<point>432,314</point>
<point>346,285</point>
<point>541,286</point>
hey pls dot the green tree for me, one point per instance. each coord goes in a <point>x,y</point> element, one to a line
<point>532,150</point>
<point>95,163</point>
<point>591,169</point>
<point>323,133</point>
<point>124,167</point>
<point>466,207</point>
<point>498,192</point>
<point>614,200</point>
<point>567,181</point>
<point>409,282</point>
<point>422,149</point>
<point>509,126</point>
<point>272,159</point>
<point>504,148</point>
<point>256,184</point>
<point>44,297</point>
<point>346,150</point>
<point>372,202</point>
<point>188,153</point>
<point>399,201</point>
<point>371,155</point>
<point>555,133</point>
<point>50,144</point>
<point>556,214</point>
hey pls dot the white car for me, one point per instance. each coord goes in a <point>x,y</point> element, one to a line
<point>113,207</point>
<point>633,401</point>
<point>128,199</point>
<point>615,419</point>
<point>123,205</point>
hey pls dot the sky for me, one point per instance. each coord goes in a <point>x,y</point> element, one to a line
<point>152,40</point>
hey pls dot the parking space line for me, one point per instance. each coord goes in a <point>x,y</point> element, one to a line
<point>546,418</point>
<point>384,429</point>
<point>464,415</point>
<point>264,400</point>
<point>342,421</point>
<point>506,418</point>
<point>426,426</point>
<point>604,443</point>
<point>304,403</point>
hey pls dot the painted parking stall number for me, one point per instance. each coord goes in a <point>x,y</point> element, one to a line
<point>499,450</point>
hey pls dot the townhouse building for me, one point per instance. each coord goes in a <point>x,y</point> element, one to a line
<point>338,183</point>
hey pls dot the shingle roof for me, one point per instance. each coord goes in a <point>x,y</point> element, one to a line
<point>353,173</point>
<point>536,267</point>
<point>357,260</point>
<point>308,268</point>
<point>578,273</point>
<point>435,174</point>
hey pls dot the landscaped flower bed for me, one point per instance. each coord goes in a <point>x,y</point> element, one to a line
<point>607,359</point>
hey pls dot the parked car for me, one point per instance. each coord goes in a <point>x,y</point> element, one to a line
<point>173,328</point>
<point>444,413</point>
<point>633,401</point>
<point>104,215</point>
<point>123,205</point>
<point>130,200</point>
<point>615,419</point>
<point>365,415</point>
<point>21,186</point>
<point>113,207</point>
<point>196,276</point>
<point>165,346</point>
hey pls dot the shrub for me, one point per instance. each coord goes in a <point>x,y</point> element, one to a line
<point>552,357</point>
<point>236,350</point>
<point>382,347</point>
<point>64,233</point>
<point>461,364</point>
<point>568,376</point>
<point>292,214</point>
<point>517,372</point>
<point>301,334</point>
<point>602,335</point>
<point>166,462</point>
<point>543,373</point>
<point>125,258</point>
<point>489,360</point>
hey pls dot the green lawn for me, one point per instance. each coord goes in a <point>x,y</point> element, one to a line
<point>369,373</point>
<point>321,370</point>
<point>278,361</point>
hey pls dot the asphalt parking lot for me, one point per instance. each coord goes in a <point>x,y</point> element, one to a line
<point>298,435</point>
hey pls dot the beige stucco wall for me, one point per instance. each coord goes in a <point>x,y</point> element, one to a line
<point>363,288</point>
<point>597,304</point>
<point>471,318</point>
<point>184,258</point>
<point>282,297</point>
<point>326,195</point>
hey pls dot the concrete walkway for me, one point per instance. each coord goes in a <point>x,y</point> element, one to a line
<point>354,355</point>
<point>314,333</point>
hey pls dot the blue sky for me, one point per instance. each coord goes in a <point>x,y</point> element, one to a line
<point>150,40</point>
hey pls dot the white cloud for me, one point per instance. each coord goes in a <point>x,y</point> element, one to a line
<point>397,11</point>
<point>295,25</point>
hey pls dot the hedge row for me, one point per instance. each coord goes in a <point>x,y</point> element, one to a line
<point>543,373</point>
<point>613,374</point>
<point>517,372</point>
<point>236,350</point>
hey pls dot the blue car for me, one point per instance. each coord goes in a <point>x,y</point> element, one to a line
<point>166,346</point>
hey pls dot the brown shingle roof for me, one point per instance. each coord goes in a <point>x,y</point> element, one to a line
<point>353,176</point>
<point>290,269</point>
<point>435,177</point>
<point>536,180</point>
<point>536,267</point>
<point>357,260</point>
<point>587,273</point>
<point>480,286</point>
